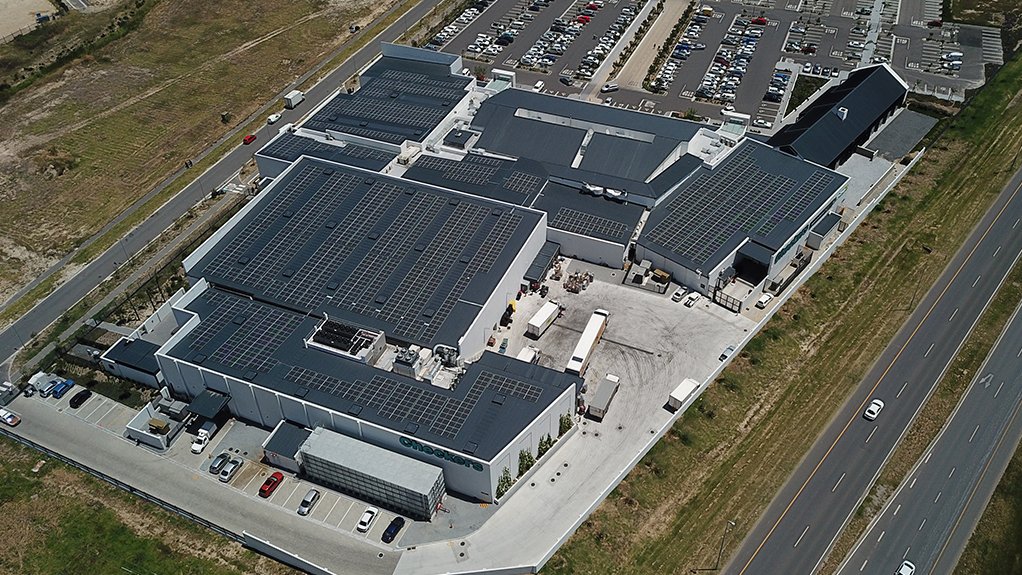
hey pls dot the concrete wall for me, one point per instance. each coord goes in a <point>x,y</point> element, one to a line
<point>474,340</point>
<point>132,374</point>
<point>679,273</point>
<point>282,555</point>
<point>588,249</point>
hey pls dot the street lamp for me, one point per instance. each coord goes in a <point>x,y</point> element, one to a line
<point>727,529</point>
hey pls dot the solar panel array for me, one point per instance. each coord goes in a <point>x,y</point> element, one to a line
<point>252,344</point>
<point>798,202</point>
<point>391,107</point>
<point>398,401</point>
<point>468,172</point>
<point>736,197</point>
<point>290,147</point>
<point>578,222</point>
<point>523,183</point>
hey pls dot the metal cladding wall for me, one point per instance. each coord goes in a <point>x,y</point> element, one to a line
<point>588,249</point>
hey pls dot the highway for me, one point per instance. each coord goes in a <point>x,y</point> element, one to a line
<point>799,527</point>
<point>934,511</point>
<point>74,289</point>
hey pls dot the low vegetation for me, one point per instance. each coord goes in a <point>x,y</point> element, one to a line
<point>804,87</point>
<point>727,458</point>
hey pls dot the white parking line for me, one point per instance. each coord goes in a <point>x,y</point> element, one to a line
<point>350,507</point>
<point>332,507</point>
<point>249,482</point>
<point>290,495</point>
<point>99,405</point>
<point>108,412</point>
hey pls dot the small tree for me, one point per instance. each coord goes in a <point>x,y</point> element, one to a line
<point>504,483</point>
<point>545,443</point>
<point>525,461</point>
<point>566,424</point>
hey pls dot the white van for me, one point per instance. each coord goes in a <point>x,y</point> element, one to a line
<point>952,56</point>
<point>538,86</point>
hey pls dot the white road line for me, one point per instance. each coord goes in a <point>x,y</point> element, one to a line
<point>896,510</point>
<point>346,513</point>
<point>996,251</point>
<point>881,538</point>
<point>870,436</point>
<point>99,405</point>
<point>903,386</point>
<point>973,434</point>
<point>1014,224</point>
<point>863,564</point>
<point>977,280</point>
<point>937,498</point>
<point>952,473</point>
<point>913,484</point>
<point>332,507</point>
<point>921,525</point>
<point>927,460</point>
<point>928,350</point>
<point>249,482</point>
<point>801,536</point>
<point>953,314</point>
<point>839,480</point>
<point>292,494</point>
<point>998,389</point>
<point>108,412</point>
<point>1019,354</point>
<point>906,552</point>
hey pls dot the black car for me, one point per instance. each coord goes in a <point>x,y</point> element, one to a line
<point>219,462</point>
<point>565,80</point>
<point>393,529</point>
<point>80,398</point>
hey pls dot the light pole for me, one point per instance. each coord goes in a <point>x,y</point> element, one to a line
<point>727,529</point>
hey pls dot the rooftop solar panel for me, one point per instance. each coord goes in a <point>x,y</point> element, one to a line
<point>578,222</point>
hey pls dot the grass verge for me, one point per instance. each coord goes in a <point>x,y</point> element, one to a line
<point>726,459</point>
<point>996,545</point>
<point>805,86</point>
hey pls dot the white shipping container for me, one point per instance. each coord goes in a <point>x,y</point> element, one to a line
<point>543,318</point>
<point>682,393</point>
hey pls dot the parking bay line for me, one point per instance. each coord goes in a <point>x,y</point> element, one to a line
<point>100,403</point>
<point>348,510</point>
<point>290,495</point>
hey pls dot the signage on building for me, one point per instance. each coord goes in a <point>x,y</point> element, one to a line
<point>440,453</point>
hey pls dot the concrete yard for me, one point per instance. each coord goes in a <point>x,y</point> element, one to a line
<point>18,16</point>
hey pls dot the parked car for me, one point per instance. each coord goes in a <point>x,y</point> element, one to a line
<point>219,462</point>
<point>393,529</point>
<point>308,502</point>
<point>29,390</point>
<point>80,398</point>
<point>249,139</point>
<point>271,484</point>
<point>47,389</point>
<point>678,295</point>
<point>230,470</point>
<point>62,388</point>
<point>764,299</point>
<point>367,519</point>
<point>873,410</point>
<point>728,352</point>
<point>9,417</point>
<point>607,88</point>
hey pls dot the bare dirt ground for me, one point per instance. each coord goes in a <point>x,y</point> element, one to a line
<point>81,144</point>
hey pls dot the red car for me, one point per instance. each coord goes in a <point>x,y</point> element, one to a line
<point>761,21</point>
<point>582,19</point>
<point>249,139</point>
<point>271,483</point>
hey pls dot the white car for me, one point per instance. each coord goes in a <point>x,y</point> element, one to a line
<point>273,118</point>
<point>678,295</point>
<point>762,123</point>
<point>367,519</point>
<point>692,299</point>
<point>9,417</point>
<point>871,414</point>
<point>907,568</point>
<point>764,300</point>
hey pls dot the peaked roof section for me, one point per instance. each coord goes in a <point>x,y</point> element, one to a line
<point>820,135</point>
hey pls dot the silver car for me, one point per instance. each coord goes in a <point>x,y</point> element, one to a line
<point>308,502</point>
<point>230,470</point>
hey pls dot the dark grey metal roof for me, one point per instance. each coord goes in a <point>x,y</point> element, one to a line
<point>287,439</point>
<point>755,192</point>
<point>409,259</point>
<point>136,354</point>
<point>827,223</point>
<point>494,401</point>
<point>289,147</point>
<point>821,136</point>
<point>571,210</point>
<point>209,404</point>
<point>506,180</point>
<point>625,144</point>
<point>542,262</point>
<point>675,173</point>
<point>399,100</point>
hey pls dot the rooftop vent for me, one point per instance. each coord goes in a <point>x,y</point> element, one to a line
<point>842,113</point>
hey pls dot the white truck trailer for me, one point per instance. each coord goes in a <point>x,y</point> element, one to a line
<point>293,98</point>
<point>587,343</point>
<point>543,319</point>
<point>604,395</point>
<point>682,393</point>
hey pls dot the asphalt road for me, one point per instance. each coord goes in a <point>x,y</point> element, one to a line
<point>73,290</point>
<point>799,526</point>
<point>933,513</point>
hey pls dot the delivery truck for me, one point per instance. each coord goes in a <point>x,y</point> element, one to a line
<point>604,395</point>
<point>293,98</point>
<point>682,393</point>
<point>543,319</point>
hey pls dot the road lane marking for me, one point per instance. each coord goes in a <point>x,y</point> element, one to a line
<point>971,437</point>
<point>839,479</point>
<point>952,473</point>
<point>903,386</point>
<point>953,314</point>
<point>881,538</point>
<point>913,484</point>
<point>921,525</point>
<point>863,564</point>
<point>927,460</point>
<point>928,350</point>
<point>906,553</point>
<point>998,250</point>
<point>1019,354</point>
<point>998,389</point>
<point>1014,224</point>
<point>976,281</point>
<point>887,370</point>
<point>937,498</point>
<point>801,536</point>
<point>870,436</point>
<point>896,510</point>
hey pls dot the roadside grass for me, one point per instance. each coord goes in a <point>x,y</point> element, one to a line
<point>996,545</point>
<point>87,141</point>
<point>61,520</point>
<point>726,459</point>
<point>805,86</point>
